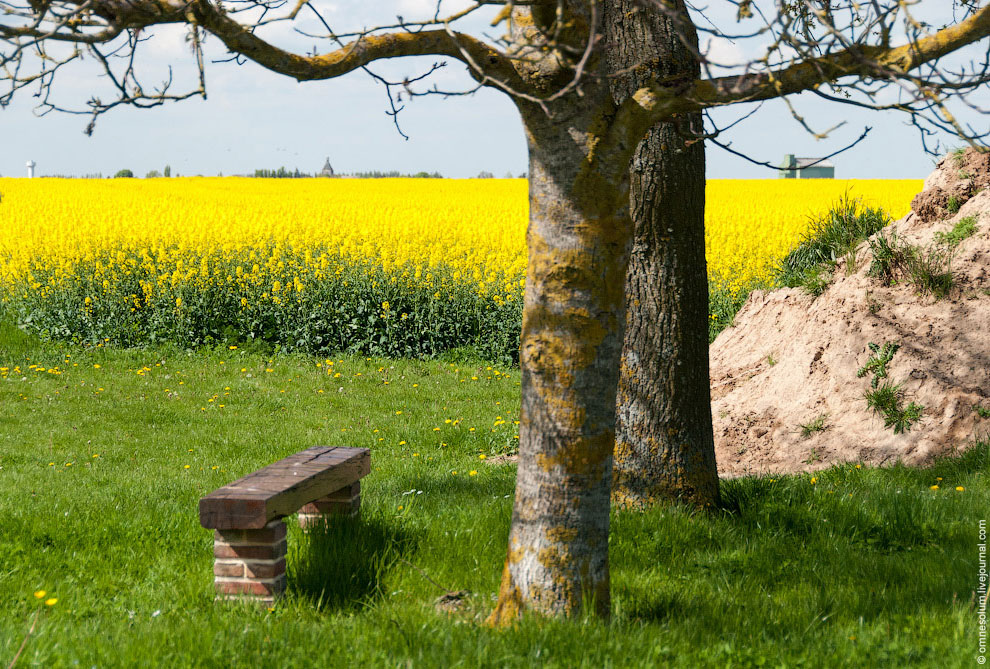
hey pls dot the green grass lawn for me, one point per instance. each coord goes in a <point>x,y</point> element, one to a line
<point>102,464</point>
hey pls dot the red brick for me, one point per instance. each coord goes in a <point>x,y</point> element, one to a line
<point>321,506</point>
<point>249,552</point>
<point>228,569</point>
<point>253,588</point>
<point>275,531</point>
<point>264,569</point>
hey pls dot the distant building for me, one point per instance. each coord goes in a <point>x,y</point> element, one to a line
<point>31,165</point>
<point>327,170</point>
<point>802,168</point>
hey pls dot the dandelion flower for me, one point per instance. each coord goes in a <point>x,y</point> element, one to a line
<point>959,488</point>
<point>473,472</point>
<point>39,594</point>
<point>934,487</point>
<point>51,602</point>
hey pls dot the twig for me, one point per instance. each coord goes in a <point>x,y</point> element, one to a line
<point>27,636</point>
<point>762,163</point>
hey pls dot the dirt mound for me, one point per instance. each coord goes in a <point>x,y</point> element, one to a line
<point>791,360</point>
<point>959,176</point>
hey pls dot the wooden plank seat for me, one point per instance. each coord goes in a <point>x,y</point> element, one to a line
<point>249,534</point>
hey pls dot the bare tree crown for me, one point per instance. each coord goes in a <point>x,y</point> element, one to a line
<point>893,55</point>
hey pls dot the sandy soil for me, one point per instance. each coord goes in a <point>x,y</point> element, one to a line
<point>791,358</point>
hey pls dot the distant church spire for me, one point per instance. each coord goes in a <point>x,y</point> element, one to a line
<point>327,170</point>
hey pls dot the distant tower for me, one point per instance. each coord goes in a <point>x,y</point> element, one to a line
<point>327,170</point>
<point>30,166</point>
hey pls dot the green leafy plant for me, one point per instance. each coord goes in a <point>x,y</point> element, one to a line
<point>964,228</point>
<point>982,411</point>
<point>953,204</point>
<point>350,306</point>
<point>887,401</point>
<point>877,363</point>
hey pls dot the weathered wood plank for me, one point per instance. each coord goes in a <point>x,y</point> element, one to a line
<point>283,487</point>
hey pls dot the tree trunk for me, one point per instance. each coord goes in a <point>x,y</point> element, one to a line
<point>664,446</point>
<point>573,321</point>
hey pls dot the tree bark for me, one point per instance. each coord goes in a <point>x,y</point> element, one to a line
<point>573,320</point>
<point>664,446</point>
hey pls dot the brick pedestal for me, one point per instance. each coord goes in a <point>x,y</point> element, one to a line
<point>250,564</point>
<point>346,501</point>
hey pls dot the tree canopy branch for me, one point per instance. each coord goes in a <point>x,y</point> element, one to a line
<point>872,62</point>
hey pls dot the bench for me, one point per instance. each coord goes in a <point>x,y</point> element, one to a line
<point>249,534</point>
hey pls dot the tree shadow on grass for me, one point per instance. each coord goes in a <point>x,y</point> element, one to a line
<point>340,564</point>
<point>845,545</point>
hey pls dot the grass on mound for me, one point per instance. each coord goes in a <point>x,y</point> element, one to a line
<point>810,264</point>
<point>102,462</point>
<point>835,234</point>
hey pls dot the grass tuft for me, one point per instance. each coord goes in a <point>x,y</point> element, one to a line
<point>928,270</point>
<point>830,237</point>
<point>886,400</point>
<point>816,425</point>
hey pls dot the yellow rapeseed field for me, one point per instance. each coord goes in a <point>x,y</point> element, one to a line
<point>749,224</point>
<point>256,253</point>
<point>476,226</point>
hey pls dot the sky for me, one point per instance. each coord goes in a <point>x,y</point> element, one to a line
<point>256,119</point>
